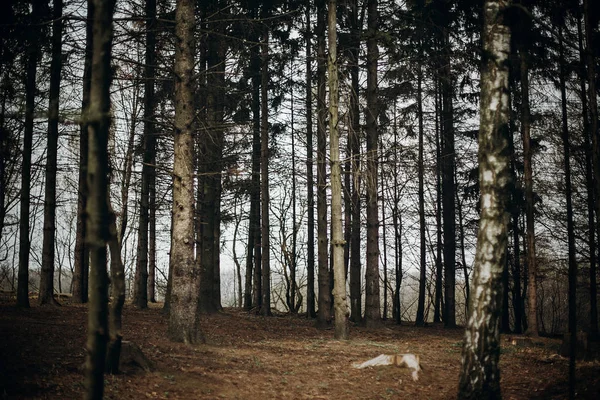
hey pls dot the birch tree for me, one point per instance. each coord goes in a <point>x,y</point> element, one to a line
<point>480,374</point>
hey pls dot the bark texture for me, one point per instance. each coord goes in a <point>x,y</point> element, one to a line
<point>372,300</point>
<point>183,318</point>
<point>340,305</point>
<point>480,375</point>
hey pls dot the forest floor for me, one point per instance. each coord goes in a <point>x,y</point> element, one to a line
<point>42,351</point>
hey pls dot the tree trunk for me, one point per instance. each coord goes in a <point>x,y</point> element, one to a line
<point>294,255</point>
<point>593,129</point>
<point>340,305</point>
<point>516,199</point>
<point>372,301</point>
<point>324,311</point>
<point>354,144</point>
<point>117,280</point>
<point>81,256</point>
<point>141,283</point>
<point>438,305</point>
<point>152,239</point>
<point>448,213</point>
<point>480,375</point>
<point>265,307</point>
<point>183,319</point>
<point>31,60</point>
<point>572,294</point>
<point>211,154</point>
<point>461,231</point>
<point>310,250</point>
<point>397,222</point>
<point>47,275</point>
<point>253,257</point>
<point>532,310</point>
<point>420,318</point>
<point>384,239</point>
<point>97,212</point>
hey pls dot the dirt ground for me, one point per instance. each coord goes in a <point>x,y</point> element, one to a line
<point>246,356</point>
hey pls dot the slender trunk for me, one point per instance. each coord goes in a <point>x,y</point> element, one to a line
<point>117,280</point>
<point>211,152</point>
<point>324,311</point>
<point>183,318</point>
<point>31,60</point>
<point>354,144</point>
<point>372,301</point>
<point>47,275</point>
<point>152,240</point>
<point>448,188</point>
<point>516,200</point>
<point>294,255</point>
<point>438,306</point>
<point>97,211</point>
<point>397,222</point>
<point>480,374</point>
<point>570,224</point>
<point>253,256</point>
<point>310,250</point>
<point>593,132</point>
<point>4,155</point>
<point>81,256</point>
<point>461,232</point>
<point>141,283</point>
<point>265,307</point>
<point>339,277</point>
<point>532,310</point>
<point>505,319</point>
<point>420,318</point>
<point>384,238</point>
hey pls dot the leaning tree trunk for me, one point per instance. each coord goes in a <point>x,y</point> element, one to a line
<point>480,375</point>
<point>97,211</point>
<point>310,202</point>
<point>81,256</point>
<point>183,318</point>
<point>372,301</point>
<point>47,275</point>
<point>340,305</point>
<point>31,60</point>
<point>324,301</point>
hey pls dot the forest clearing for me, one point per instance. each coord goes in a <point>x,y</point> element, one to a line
<point>253,357</point>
